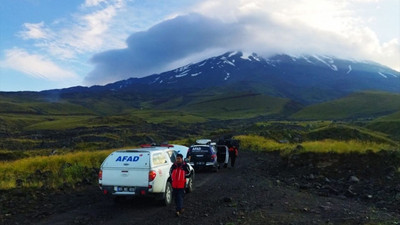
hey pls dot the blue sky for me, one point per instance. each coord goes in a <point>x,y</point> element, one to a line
<point>48,44</point>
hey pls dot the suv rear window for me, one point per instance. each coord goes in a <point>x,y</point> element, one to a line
<point>200,149</point>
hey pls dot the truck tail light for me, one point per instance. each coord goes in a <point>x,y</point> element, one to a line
<point>152,175</point>
<point>100,174</point>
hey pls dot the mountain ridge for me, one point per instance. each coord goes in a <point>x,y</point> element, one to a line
<point>233,80</point>
<point>307,79</point>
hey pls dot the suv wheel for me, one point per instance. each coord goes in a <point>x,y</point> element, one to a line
<point>167,200</point>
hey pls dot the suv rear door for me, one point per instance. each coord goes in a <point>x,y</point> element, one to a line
<point>200,155</point>
<point>222,154</point>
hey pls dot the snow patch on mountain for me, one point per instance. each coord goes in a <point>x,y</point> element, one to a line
<point>382,74</point>
<point>183,68</point>
<point>246,56</point>
<point>225,60</point>
<point>307,59</point>
<point>203,63</point>
<point>155,80</point>
<point>255,57</point>
<point>270,62</point>
<point>233,54</point>
<point>329,63</point>
<point>182,74</point>
<point>195,74</point>
<point>227,76</point>
<point>349,70</point>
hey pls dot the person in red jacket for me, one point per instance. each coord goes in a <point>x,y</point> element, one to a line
<point>178,173</point>
<point>233,153</point>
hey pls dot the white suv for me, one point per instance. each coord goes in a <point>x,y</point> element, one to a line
<point>140,172</point>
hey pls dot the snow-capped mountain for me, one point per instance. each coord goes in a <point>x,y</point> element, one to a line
<point>307,78</point>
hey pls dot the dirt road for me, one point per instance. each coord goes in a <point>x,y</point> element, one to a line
<point>259,190</point>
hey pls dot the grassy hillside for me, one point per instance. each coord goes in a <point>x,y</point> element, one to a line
<point>347,132</point>
<point>300,131</point>
<point>389,124</point>
<point>389,118</point>
<point>362,105</point>
<point>38,105</point>
<point>29,121</point>
<point>236,106</point>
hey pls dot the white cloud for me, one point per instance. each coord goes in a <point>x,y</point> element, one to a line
<point>87,31</point>
<point>308,26</point>
<point>263,26</point>
<point>35,66</point>
<point>34,31</point>
<point>266,27</point>
<point>90,3</point>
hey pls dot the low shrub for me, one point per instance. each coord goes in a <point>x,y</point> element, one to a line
<point>52,171</point>
<point>258,143</point>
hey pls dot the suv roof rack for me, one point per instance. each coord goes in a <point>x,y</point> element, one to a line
<point>203,141</point>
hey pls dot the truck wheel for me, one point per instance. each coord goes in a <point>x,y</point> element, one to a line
<point>167,200</point>
<point>190,186</point>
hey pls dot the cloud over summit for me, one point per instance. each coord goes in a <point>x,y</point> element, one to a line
<point>261,26</point>
<point>153,50</point>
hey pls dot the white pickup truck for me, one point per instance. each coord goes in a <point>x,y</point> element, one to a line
<point>141,172</point>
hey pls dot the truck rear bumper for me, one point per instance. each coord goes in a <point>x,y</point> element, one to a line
<point>120,190</point>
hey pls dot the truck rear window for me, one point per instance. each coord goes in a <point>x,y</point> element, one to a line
<point>159,159</point>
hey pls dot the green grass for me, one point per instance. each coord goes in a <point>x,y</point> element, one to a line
<point>236,106</point>
<point>53,171</point>
<point>355,106</point>
<point>305,124</point>
<point>341,131</point>
<point>41,107</point>
<point>388,127</point>
<point>258,143</point>
<point>60,123</point>
<point>167,116</point>
<point>391,117</point>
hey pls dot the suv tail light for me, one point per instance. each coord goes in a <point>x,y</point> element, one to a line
<point>152,175</point>
<point>100,174</point>
<point>213,157</point>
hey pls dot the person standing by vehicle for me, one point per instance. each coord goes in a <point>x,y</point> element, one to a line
<point>178,173</point>
<point>233,153</point>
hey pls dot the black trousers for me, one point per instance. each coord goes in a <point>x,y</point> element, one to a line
<point>179,194</point>
<point>232,155</point>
